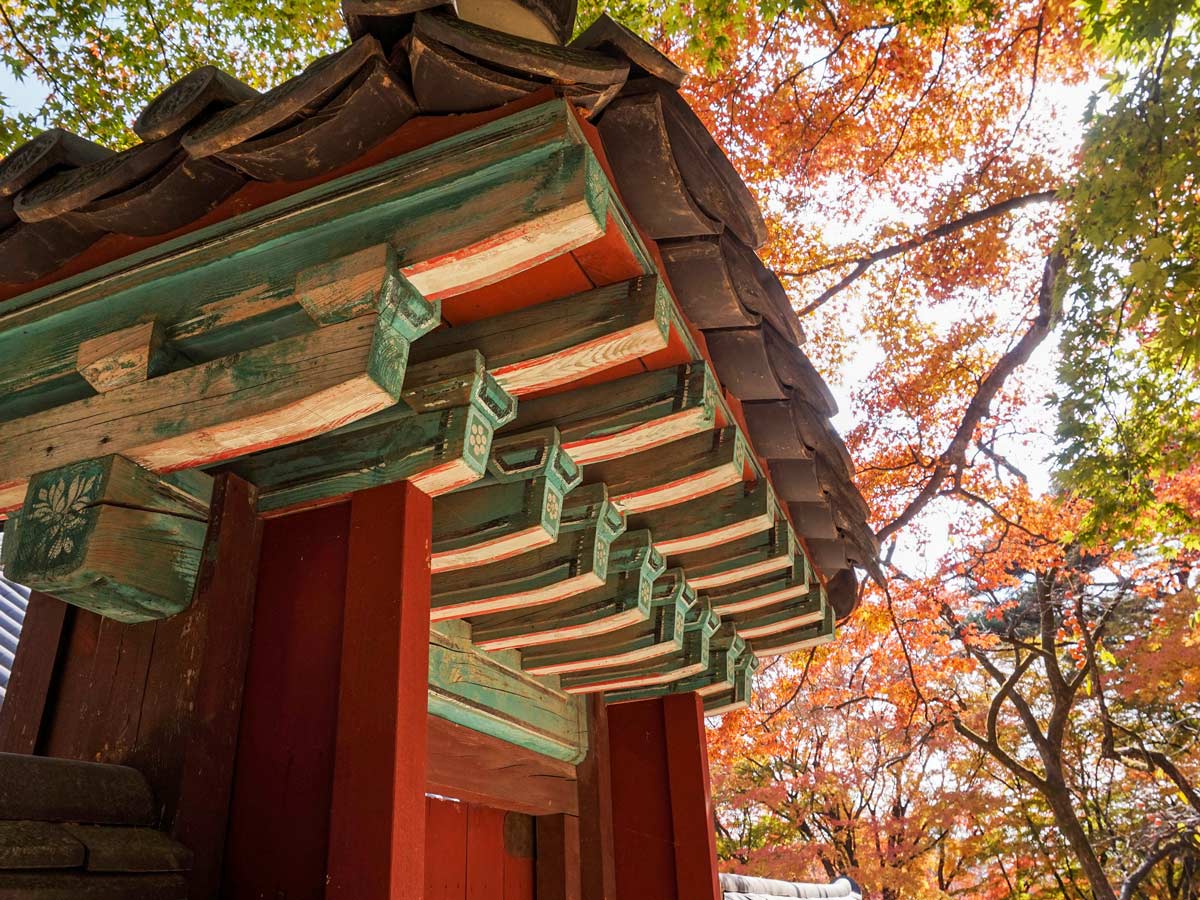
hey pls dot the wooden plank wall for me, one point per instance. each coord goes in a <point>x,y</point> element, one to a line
<point>476,852</point>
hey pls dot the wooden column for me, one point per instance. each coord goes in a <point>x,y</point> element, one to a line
<point>557,857</point>
<point>691,797</point>
<point>224,607</point>
<point>597,874</point>
<point>377,818</point>
<point>663,839</point>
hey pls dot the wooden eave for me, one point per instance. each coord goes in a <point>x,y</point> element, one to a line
<point>468,305</point>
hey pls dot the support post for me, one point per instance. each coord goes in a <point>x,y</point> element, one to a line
<point>597,875</point>
<point>664,845</point>
<point>377,818</point>
<point>225,605</point>
<point>558,857</point>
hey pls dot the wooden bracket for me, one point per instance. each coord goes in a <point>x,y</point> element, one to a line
<point>675,473</point>
<point>660,634</point>
<point>628,415</point>
<point>692,659</point>
<point>725,515</point>
<point>109,536</point>
<point>576,562</point>
<point>624,599</point>
<point>797,639</point>
<point>743,559</point>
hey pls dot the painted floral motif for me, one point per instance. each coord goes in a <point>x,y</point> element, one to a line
<point>60,508</point>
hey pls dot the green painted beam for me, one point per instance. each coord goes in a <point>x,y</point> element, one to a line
<point>627,415</point>
<point>576,562</point>
<point>624,599</point>
<point>460,213</point>
<point>660,634</point>
<point>483,692</point>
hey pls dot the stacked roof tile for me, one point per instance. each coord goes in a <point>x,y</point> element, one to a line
<point>208,135</point>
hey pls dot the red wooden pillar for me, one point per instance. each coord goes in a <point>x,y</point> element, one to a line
<point>664,845</point>
<point>377,818</point>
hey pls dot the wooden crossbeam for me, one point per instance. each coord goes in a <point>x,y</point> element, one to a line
<point>725,515</point>
<point>726,650</point>
<point>769,590</point>
<point>674,473</point>
<point>801,638</point>
<point>691,659</point>
<point>660,634</point>
<point>263,398</point>
<point>559,342</point>
<point>798,612</point>
<point>438,451</point>
<point>624,599</point>
<point>486,693</point>
<point>760,554</point>
<point>735,696</point>
<point>109,536</point>
<point>495,522</point>
<point>576,562</point>
<point>627,415</point>
<point>524,189</point>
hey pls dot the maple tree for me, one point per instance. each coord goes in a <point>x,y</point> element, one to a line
<point>987,281</point>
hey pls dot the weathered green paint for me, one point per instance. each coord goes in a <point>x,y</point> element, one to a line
<point>107,535</point>
<point>721,451</point>
<point>232,286</point>
<point>762,593</point>
<point>797,639</point>
<point>741,506</point>
<point>729,564</point>
<point>726,652</point>
<point>488,514</point>
<point>375,451</point>
<point>600,421</point>
<point>239,403</point>
<point>562,340</point>
<point>532,454</point>
<point>660,634</point>
<point>700,625</point>
<point>574,563</point>
<point>809,609</point>
<point>627,594</point>
<point>480,691</point>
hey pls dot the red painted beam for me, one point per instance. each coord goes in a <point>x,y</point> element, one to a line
<point>377,818</point>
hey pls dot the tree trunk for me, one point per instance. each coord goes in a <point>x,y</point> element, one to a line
<point>1059,799</point>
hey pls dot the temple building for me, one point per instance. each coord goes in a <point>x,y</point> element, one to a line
<point>403,461</point>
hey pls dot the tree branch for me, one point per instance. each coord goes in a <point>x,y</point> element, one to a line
<point>955,455</point>
<point>862,263</point>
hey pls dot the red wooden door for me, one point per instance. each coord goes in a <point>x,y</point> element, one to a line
<point>475,852</point>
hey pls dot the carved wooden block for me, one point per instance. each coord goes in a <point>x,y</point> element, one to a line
<point>109,536</point>
<point>122,357</point>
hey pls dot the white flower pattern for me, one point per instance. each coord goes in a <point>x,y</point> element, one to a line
<point>60,508</point>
